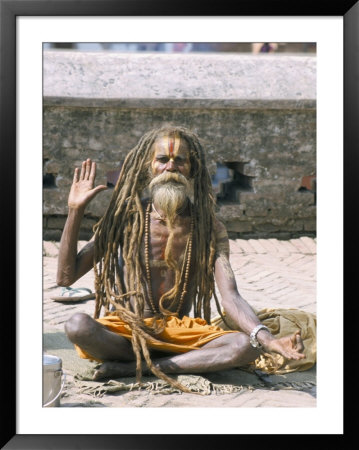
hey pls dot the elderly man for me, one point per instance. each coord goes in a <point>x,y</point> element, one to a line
<point>157,253</point>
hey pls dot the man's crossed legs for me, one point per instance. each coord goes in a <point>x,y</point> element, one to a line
<point>224,352</point>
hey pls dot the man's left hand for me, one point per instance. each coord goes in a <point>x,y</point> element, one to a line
<point>291,347</point>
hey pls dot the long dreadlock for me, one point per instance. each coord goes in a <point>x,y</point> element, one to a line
<point>122,228</point>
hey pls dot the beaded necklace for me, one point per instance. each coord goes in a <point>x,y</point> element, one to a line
<point>186,260</point>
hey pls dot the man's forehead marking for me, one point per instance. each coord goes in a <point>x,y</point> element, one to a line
<point>172,143</point>
<point>177,144</point>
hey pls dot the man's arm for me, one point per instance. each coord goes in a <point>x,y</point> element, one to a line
<point>240,312</point>
<point>72,266</point>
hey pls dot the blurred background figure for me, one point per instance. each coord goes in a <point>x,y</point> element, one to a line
<point>295,48</point>
<point>178,47</point>
<point>264,47</point>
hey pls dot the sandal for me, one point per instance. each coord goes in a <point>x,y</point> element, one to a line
<point>69,294</point>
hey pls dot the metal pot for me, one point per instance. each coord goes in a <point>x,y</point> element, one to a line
<point>52,387</point>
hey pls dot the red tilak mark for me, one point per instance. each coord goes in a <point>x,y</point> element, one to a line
<point>171,144</point>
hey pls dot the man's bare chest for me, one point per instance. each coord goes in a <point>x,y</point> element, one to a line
<point>166,243</point>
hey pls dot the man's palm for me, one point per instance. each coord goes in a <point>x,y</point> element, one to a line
<point>291,347</point>
<point>82,189</point>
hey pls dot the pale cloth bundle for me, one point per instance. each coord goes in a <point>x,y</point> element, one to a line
<point>283,322</point>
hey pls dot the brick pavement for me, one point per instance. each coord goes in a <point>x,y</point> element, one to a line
<point>274,273</point>
<point>269,273</point>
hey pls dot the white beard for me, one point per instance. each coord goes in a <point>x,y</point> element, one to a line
<point>170,191</point>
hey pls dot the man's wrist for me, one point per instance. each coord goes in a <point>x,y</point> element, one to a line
<point>253,335</point>
<point>264,337</point>
<point>76,209</point>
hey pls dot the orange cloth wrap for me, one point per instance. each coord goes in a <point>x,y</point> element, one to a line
<point>179,335</point>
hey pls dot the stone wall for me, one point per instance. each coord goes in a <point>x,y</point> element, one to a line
<point>255,114</point>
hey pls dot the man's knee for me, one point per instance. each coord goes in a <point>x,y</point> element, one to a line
<point>80,326</point>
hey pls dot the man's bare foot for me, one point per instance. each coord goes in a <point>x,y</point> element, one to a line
<point>113,369</point>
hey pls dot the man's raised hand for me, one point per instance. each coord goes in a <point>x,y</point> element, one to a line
<point>82,188</point>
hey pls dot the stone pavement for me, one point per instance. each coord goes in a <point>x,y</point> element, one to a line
<point>269,273</point>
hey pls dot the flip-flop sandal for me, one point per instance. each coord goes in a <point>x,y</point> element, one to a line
<point>69,294</point>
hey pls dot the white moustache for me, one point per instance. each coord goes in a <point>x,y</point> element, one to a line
<point>169,177</point>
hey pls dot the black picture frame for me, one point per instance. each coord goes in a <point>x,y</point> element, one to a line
<point>9,10</point>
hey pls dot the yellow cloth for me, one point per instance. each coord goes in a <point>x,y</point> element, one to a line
<point>179,335</point>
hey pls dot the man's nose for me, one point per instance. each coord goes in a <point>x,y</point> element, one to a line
<point>171,166</point>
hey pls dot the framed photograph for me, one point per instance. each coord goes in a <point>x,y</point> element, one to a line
<point>25,27</point>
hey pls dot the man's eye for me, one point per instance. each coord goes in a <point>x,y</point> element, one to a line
<point>162,159</point>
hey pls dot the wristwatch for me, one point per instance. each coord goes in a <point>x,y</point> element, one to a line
<point>253,336</point>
